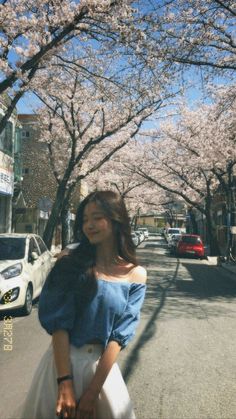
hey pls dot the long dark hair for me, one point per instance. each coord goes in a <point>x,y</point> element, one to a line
<point>83,259</point>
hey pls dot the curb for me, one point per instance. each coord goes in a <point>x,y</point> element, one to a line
<point>213,260</point>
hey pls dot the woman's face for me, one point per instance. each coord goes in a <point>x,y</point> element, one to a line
<point>97,227</point>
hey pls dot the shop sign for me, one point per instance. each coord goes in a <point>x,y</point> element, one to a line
<point>6,174</point>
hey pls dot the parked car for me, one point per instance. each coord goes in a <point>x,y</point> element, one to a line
<point>171,231</point>
<point>25,263</point>
<point>135,238</point>
<point>140,235</point>
<point>144,231</point>
<point>191,245</point>
<point>173,242</point>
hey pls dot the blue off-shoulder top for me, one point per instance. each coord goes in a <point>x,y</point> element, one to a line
<point>111,315</point>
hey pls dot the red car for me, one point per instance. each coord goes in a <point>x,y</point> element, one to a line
<point>190,245</point>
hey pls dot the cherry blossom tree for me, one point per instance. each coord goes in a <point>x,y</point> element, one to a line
<point>175,171</point>
<point>32,32</point>
<point>85,124</point>
<point>191,157</point>
<point>199,33</point>
<point>36,34</point>
<point>139,194</point>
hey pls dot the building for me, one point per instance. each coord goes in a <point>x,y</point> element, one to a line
<point>155,221</point>
<point>9,161</point>
<point>39,185</point>
<point>223,214</point>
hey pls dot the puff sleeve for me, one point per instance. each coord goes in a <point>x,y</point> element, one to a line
<point>57,305</point>
<point>125,326</point>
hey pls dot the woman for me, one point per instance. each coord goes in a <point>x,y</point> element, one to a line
<point>90,304</point>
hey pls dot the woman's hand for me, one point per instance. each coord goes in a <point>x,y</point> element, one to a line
<point>86,407</point>
<point>66,401</point>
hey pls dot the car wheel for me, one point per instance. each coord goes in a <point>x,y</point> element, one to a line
<point>27,308</point>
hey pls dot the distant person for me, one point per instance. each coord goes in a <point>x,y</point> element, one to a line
<point>90,304</point>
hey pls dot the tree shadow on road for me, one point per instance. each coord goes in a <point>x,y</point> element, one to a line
<point>208,282</point>
<point>156,293</point>
<point>197,291</point>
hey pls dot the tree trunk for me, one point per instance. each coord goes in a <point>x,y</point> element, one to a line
<point>230,207</point>
<point>133,221</point>
<point>212,233</point>
<point>193,221</point>
<point>65,225</point>
<point>55,214</point>
<point>169,218</point>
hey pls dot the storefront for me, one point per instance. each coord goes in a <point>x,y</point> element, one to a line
<point>6,192</point>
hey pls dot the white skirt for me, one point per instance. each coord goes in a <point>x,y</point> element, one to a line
<point>113,402</point>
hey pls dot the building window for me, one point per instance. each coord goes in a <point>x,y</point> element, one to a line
<point>25,133</point>
<point>26,171</point>
<point>6,139</point>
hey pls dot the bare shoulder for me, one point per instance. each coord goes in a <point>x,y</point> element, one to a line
<point>138,275</point>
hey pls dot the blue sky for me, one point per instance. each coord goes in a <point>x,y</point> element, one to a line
<point>28,104</point>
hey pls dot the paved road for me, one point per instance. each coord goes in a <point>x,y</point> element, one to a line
<point>182,362</point>
<point>186,352</point>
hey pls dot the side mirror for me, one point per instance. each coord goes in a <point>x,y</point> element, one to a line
<point>34,256</point>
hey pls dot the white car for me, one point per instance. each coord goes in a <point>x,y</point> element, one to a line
<point>140,235</point>
<point>25,263</point>
<point>171,231</point>
<point>172,243</point>
<point>135,239</point>
<point>144,231</point>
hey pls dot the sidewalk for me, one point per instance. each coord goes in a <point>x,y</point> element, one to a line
<point>229,266</point>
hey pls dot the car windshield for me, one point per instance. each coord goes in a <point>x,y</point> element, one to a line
<point>12,248</point>
<point>191,240</point>
<point>173,231</point>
